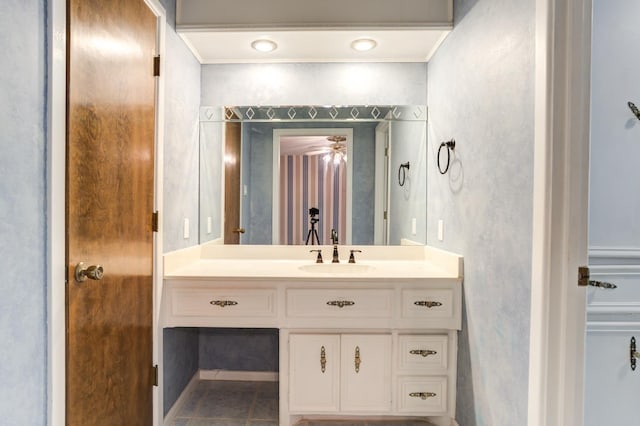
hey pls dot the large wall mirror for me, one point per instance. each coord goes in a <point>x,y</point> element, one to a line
<point>293,174</point>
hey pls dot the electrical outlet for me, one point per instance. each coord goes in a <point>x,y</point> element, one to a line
<point>186,228</point>
<point>440,230</point>
<point>414,226</point>
<point>209,224</point>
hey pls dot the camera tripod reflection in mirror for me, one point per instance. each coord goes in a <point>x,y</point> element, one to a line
<point>313,232</point>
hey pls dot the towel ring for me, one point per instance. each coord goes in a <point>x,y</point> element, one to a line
<point>450,145</point>
<point>634,109</point>
<point>402,173</point>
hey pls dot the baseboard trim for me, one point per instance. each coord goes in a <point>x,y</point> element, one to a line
<point>170,417</point>
<point>242,376</point>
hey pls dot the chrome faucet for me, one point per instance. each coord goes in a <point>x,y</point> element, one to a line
<point>334,239</point>
<point>334,236</point>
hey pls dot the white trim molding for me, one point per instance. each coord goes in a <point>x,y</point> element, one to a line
<point>560,225</point>
<point>56,243</point>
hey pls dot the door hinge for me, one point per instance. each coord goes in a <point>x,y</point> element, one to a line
<point>154,375</point>
<point>583,276</point>
<point>386,152</point>
<point>154,221</point>
<point>583,280</point>
<point>384,216</point>
<point>156,66</point>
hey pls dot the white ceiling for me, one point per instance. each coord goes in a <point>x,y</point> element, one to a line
<point>220,47</point>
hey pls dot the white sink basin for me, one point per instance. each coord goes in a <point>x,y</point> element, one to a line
<point>336,268</point>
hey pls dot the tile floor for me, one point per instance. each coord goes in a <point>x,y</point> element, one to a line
<point>231,403</point>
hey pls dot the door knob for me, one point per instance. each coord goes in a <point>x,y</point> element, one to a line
<point>94,272</point>
<point>239,230</point>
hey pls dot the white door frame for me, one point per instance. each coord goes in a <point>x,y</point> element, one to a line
<point>56,192</point>
<point>560,216</point>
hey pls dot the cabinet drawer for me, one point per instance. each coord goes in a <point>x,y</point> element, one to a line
<point>224,303</point>
<point>338,303</point>
<point>424,395</point>
<point>428,303</point>
<point>419,353</point>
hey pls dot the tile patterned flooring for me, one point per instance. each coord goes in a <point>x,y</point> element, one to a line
<point>233,403</point>
<point>230,403</point>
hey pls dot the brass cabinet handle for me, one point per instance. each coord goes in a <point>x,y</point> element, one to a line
<point>423,352</point>
<point>422,395</point>
<point>341,303</point>
<point>427,303</point>
<point>223,303</point>
<point>323,359</point>
<point>357,359</point>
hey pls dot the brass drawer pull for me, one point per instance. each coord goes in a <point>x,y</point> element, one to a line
<point>424,352</point>
<point>427,303</point>
<point>223,303</point>
<point>357,359</point>
<point>422,395</point>
<point>323,359</point>
<point>341,303</point>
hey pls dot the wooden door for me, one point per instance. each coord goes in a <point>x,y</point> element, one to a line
<point>232,149</point>
<point>110,187</point>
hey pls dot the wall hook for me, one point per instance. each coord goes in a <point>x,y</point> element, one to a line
<point>402,173</point>
<point>634,109</point>
<point>450,145</point>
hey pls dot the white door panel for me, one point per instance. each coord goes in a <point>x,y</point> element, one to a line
<point>612,389</point>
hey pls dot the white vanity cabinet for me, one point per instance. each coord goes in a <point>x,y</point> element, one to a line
<point>380,343</point>
<point>339,373</point>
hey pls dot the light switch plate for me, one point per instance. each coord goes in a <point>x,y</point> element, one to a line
<point>440,230</point>
<point>186,228</point>
<point>413,226</point>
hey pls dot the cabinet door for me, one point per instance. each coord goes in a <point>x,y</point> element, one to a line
<point>366,373</point>
<point>611,387</point>
<point>314,373</point>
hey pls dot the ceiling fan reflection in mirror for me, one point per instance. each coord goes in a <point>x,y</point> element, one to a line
<point>334,153</point>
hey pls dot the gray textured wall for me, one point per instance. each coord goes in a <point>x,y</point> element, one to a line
<point>181,145</point>
<point>211,174</point>
<point>238,349</point>
<point>23,326</point>
<point>315,84</point>
<point>480,92</point>
<point>180,357</point>
<point>409,201</point>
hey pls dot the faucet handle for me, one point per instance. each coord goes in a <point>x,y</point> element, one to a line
<point>352,258</point>
<point>319,258</point>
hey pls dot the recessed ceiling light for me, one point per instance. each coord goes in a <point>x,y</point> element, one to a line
<point>264,45</point>
<point>363,44</point>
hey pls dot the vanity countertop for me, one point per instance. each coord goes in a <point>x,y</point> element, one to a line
<point>296,262</point>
